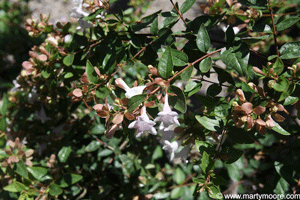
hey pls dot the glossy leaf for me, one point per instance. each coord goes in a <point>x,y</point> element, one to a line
<point>186,75</point>
<point>208,123</point>
<point>154,27</point>
<point>4,105</point>
<point>281,85</point>
<point>176,192</point>
<point>68,60</point>
<point>178,101</point>
<point>21,169</point>
<point>205,162</point>
<point>278,66</point>
<point>90,71</point>
<point>214,89</point>
<point>287,23</point>
<point>55,190</point>
<point>205,65</point>
<point>92,146</point>
<point>170,58</point>
<point>68,179</point>
<point>282,187</point>
<point>135,101</point>
<point>236,59</point>
<point>37,172</point>
<point>15,187</point>
<point>179,176</point>
<point>192,88</point>
<point>64,154</point>
<point>216,193</point>
<point>290,50</point>
<point>279,129</point>
<point>203,40</point>
<point>186,5</point>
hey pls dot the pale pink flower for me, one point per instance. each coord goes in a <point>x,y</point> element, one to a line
<point>143,124</point>
<point>167,116</point>
<point>171,147</point>
<point>130,92</point>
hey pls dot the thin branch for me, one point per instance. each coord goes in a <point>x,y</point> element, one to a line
<point>273,27</point>
<point>195,62</point>
<point>179,13</point>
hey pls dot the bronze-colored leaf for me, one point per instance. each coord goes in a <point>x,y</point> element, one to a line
<point>278,117</point>
<point>150,104</point>
<point>77,92</point>
<point>84,78</point>
<point>259,110</point>
<point>247,107</point>
<point>97,71</point>
<point>98,107</point>
<point>129,116</point>
<point>269,122</point>
<point>260,122</point>
<point>118,119</point>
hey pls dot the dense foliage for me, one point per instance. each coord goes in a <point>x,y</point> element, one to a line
<point>115,110</point>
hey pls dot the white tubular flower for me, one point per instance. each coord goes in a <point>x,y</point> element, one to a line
<point>171,147</point>
<point>130,92</point>
<point>143,124</point>
<point>167,117</point>
<point>78,13</point>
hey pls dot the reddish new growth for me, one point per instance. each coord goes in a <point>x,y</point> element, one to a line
<point>247,116</point>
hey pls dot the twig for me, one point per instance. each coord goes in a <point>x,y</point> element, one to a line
<point>193,63</point>
<point>178,13</point>
<point>273,27</point>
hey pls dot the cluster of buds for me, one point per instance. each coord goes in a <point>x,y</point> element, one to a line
<point>35,28</point>
<point>16,154</point>
<point>247,116</point>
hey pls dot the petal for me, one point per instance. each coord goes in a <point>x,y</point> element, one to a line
<point>132,125</point>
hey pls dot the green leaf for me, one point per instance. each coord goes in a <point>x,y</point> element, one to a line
<point>230,155</point>
<point>216,193</point>
<point>68,179</point>
<point>205,162</point>
<point>104,152</point>
<point>64,154</point>
<point>208,123</point>
<point>135,101</point>
<point>68,60</point>
<point>178,101</point>
<point>98,129</point>
<point>186,75</point>
<point>278,66</point>
<point>176,192</point>
<point>236,58</point>
<point>290,100</point>
<point>259,4</point>
<point>205,65</point>
<point>15,187</point>
<point>145,21</point>
<point>158,153</point>
<point>170,58</point>
<point>37,172</point>
<point>45,74</point>
<point>186,6</point>
<point>21,169</point>
<point>68,75</point>
<point>203,40</point>
<point>165,65</point>
<point>290,50</point>
<point>235,169</point>
<point>282,187</point>
<point>285,171</point>
<point>287,23</point>
<point>252,40</point>
<point>281,85</point>
<point>92,146</point>
<point>4,105</point>
<point>90,71</point>
<point>55,190</point>
<point>204,146</point>
<point>179,176</point>
<point>154,27</point>
<point>279,129</point>
<point>192,88</point>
